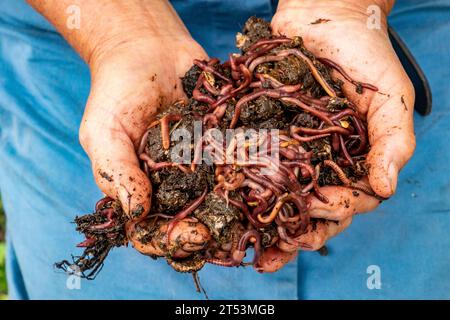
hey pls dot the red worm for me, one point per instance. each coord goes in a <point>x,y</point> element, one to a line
<point>247,79</point>
<point>263,59</point>
<point>102,202</point>
<point>248,58</point>
<point>110,221</point>
<point>291,197</point>
<point>249,174</point>
<point>165,128</point>
<point>239,254</point>
<point>263,92</point>
<point>262,42</point>
<point>314,176</point>
<point>143,142</point>
<point>319,114</point>
<point>90,241</point>
<point>347,182</point>
<point>345,151</point>
<point>209,87</point>
<point>198,95</point>
<point>209,68</point>
<point>155,166</point>
<point>316,74</point>
<point>332,129</point>
<point>185,212</point>
<point>339,69</point>
<point>358,125</point>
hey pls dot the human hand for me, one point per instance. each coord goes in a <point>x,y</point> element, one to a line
<point>130,85</point>
<point>338,30</point>
<point>137,51</point>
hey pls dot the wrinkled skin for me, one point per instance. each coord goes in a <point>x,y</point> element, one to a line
<point>273,259</point>
<point>186,237</point>
<point>389,112</point>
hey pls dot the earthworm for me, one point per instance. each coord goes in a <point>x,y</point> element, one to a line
<point>143,142</point>
<point>110,221</point>
<point>339,69</point>
<point>316,74</point>
<point>310,131</point>
<point>346,181</point>
<point>185,212</point>
<point>102,202</point>
<point>209,87</point>
<point>345,151</point>
<point>238,255</point>
<point>90,241</point>
<point>263,92</point>
<point>263,59</point>
<point>165,128</point>
<point>280,202</point>
<point>249,174</point>
<point>208,68</point>
<point>155,166</point>
<point>314,177</point>
<point>319,114</point>
<point>198,95</point>
<point>247,74</point>
<point>262,42</point>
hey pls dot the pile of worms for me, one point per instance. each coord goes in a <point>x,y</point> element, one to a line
<point>278,201</point>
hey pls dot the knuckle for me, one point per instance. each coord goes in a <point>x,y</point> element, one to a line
<point>318,241</point>
<point>408,144</point>
<point>84,135</point>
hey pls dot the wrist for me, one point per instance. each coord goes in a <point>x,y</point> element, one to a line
<point>139,45</point>
<point>103,25</point>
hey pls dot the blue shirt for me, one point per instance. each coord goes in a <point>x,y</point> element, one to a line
<point>46,179</point>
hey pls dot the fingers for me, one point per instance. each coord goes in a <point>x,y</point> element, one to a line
<point>273,259</point>
<point>391,135</point>
<point>186,237</point>
<point>316,235</point>
<point>320,231</point>
<point>343,203</point>
<point>115,165</point>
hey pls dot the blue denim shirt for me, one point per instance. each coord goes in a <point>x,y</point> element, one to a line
<point>46,179</point>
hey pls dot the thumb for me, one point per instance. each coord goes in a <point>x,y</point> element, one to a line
<point>391,135</point>
<point>116,167</point>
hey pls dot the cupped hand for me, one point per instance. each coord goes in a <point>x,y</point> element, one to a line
<point>131,81</point>
<point>338,30</point>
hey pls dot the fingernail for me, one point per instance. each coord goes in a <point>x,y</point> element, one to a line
<point>392,175</point>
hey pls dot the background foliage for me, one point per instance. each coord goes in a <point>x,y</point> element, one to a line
<point>3,288</point>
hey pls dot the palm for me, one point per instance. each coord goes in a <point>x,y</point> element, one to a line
<point>139,83</point>
<point>367,56</point>
<point>129,87</point>
<point>338,30</point>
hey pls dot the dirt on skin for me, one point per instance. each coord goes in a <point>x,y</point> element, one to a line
<point>174,189</point>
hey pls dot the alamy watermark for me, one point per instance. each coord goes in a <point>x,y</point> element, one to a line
<point>374,279</point>
<point>240,147</point>
<point>374,19</point>
<point>74,17</point>
<point>73,281</point>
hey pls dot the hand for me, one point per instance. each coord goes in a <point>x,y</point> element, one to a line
<point>131,82</point>
<point>367,56</point>
<point>137,51</point>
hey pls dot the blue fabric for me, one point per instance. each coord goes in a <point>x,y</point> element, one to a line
<point>45,176</point>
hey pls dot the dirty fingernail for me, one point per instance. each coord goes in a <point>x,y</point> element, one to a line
<point>393,175</point>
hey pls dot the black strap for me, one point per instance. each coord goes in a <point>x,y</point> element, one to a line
<point>423,101</point>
